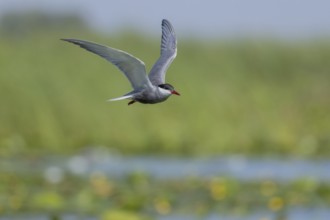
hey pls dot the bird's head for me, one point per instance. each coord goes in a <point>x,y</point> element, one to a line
<point>168,89</point>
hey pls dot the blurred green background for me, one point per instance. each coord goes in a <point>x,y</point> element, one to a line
<point>238,96</point>
<point>252,97</point>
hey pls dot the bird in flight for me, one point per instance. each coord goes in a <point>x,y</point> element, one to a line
<point>147,89</point>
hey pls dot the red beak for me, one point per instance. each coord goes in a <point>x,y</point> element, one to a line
<point>175,92</point>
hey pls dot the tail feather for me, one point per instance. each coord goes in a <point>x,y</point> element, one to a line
<point>120,98</point>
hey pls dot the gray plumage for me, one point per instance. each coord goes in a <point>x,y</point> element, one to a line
<point>167,54</point>
<point>147,89</point>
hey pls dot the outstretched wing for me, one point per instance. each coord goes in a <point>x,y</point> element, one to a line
<point>132,67</point>
<point>167,54</point>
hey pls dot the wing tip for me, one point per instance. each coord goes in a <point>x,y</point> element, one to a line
<point>66,39</point>
<point>166,23</point>
<point>168,39</point>
<point>70,40</point>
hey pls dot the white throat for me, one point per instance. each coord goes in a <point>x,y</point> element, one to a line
<point>164,92</point>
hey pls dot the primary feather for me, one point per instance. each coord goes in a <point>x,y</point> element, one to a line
<point>133,68</point>
<point>167,54</point>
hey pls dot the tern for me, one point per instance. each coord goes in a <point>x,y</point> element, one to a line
<point>147,89</point>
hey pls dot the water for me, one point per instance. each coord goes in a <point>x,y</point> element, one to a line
<point>245,169</point>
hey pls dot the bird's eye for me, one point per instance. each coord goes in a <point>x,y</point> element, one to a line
<point>163,86</point>
<point>166,86</point>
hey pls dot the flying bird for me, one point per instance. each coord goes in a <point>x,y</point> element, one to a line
<point>147,89</point>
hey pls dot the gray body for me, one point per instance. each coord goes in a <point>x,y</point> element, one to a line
<point>147,89</point>
<point>150,95</point>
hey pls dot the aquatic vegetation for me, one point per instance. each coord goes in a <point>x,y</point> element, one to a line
<point>140,193</point>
